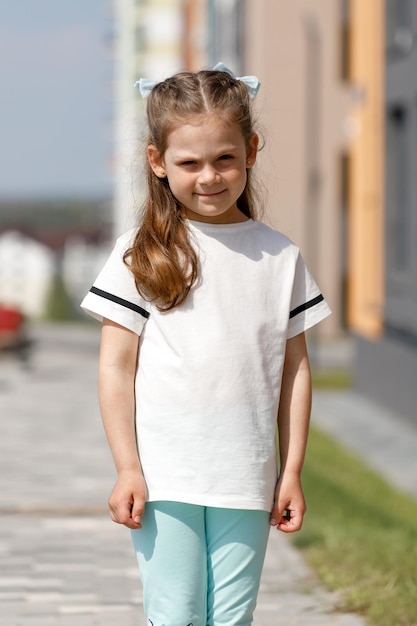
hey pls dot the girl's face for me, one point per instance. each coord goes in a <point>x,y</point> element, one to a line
<point>205,162</point>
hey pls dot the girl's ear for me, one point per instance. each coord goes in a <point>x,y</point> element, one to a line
<point>156,161</point>
<point>252,150</point>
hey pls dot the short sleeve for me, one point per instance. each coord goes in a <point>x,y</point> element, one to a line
<point>114,295</point>
<point>308,306</point>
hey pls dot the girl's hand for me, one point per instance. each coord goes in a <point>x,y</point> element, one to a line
<point>289,504</point>
<point>127,500</point>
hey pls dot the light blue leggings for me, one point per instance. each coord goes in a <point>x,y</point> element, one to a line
<point>200,565</point>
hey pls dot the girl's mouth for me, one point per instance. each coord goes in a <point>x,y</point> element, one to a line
<point>209,195</point>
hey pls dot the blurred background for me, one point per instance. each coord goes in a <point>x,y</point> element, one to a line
<point>337,110</point>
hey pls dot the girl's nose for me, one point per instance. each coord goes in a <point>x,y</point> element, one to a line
<point>209,175</point>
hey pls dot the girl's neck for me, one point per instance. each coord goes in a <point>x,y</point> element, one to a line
<point>233,216</point>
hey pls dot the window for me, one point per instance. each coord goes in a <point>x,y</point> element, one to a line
<point>398,188</point>
<point>140,39</point>
<point>226,32</point>
<point>400,28</point>
<point>345,40</point>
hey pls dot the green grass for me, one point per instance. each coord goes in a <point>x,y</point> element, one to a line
<point>331,379</point>
<point>58,307</point>
<point>360,535</point>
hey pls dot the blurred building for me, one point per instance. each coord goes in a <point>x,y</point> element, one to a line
<point>40,239</point>
<point>383,201</point>
<point>26,269</point>
<point>148,42</point>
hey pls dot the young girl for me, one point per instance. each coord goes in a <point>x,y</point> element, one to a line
<point>202,354</point>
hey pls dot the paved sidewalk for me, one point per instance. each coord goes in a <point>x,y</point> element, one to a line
<point>62,561</point>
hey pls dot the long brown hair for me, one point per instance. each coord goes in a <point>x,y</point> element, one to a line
<point>162,258</point>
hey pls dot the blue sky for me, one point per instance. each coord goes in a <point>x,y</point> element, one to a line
<point>55,98</point>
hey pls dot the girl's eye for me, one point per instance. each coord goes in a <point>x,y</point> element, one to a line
<point>187,163</point>
<point>226,157</point>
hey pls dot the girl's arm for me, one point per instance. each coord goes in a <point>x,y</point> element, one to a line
<point>117,369</point>
<point>293,424</point>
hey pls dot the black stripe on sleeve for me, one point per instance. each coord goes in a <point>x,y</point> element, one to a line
<point>121,301</point>
<point>306,305</point>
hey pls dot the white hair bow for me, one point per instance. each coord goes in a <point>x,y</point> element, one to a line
<point>252,83</point>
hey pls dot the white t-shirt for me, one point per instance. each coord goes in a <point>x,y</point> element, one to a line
<point>209,371</point>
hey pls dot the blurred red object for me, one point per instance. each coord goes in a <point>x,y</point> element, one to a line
<point>13,335</point>
<point>11,320</point>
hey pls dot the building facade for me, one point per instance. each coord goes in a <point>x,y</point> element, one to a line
<point>387,347</point>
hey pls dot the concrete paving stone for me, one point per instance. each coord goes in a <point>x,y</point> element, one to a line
<point>86,593</point>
